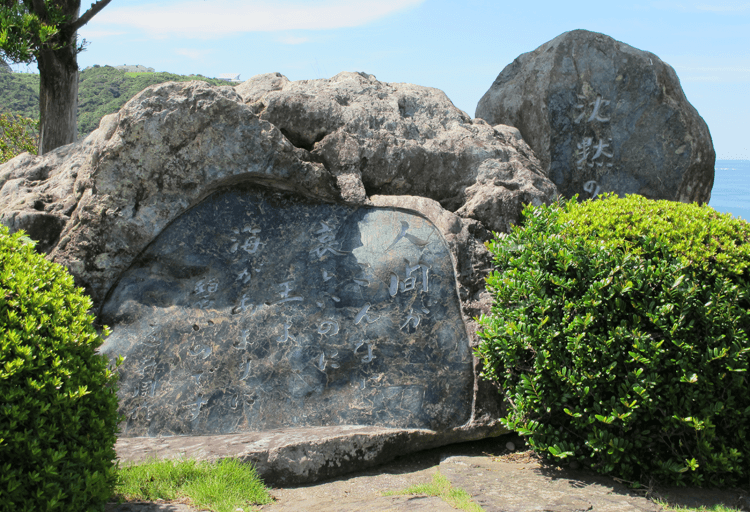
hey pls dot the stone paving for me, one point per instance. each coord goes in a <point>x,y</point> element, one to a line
<point>497,480</point>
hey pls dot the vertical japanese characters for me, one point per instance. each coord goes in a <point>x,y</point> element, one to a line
<point>293,310</point>
<point>594,153</point>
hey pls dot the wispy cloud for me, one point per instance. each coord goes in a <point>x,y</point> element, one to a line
<point>97,34</point>
<point>216,18</point>
<point>192,53</point>
<point>697,78</point>
<point>718,6</point>
<point>723,74</point>
<point>723,7</point>
<point>717,69</point>
<point>292,40</point>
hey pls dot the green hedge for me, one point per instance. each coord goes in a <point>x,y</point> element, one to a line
<point>58,402</point>
<point>619,334</point>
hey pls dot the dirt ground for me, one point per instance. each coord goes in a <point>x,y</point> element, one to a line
<point>496,478</point>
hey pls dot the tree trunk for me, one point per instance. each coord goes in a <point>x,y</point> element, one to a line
<point>58,98</point>
<point>58,81</point>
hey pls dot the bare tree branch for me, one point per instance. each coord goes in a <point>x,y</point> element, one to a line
<point>93,11</point>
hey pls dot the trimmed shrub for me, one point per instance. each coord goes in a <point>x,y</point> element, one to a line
<point>58,402</point>
<point>619,334</point>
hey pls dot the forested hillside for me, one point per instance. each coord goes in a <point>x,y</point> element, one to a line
<point>19,94</point>
<point>102,90</point>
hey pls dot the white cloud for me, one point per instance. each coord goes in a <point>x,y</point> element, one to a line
<point>214,18</point>
<point>192,53</point>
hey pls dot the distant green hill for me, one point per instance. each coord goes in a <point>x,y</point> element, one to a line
<point>19,94</point>
<point>102,90</point>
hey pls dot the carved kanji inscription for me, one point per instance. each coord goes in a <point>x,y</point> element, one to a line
<point>256,310</point>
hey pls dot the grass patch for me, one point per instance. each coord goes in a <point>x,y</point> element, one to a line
<point>223,486</point>
<point>678,508</point>
<point>441,487</point>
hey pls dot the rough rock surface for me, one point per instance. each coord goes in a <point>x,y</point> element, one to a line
<point>603,116</point>
<point>96,205</point>
<point>403,139</point>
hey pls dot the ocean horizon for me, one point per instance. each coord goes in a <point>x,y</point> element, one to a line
<point>731,190</point>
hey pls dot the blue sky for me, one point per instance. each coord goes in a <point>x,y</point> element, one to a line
<point>459,47</point>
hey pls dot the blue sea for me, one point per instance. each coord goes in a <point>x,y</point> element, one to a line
<point>731,192</point>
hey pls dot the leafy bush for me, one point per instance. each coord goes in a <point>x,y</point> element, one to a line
<point>17,135</point>
<point>58,402</point>
<point>619,333</point>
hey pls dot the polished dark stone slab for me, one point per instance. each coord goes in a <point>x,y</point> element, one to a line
<point>257,310</point>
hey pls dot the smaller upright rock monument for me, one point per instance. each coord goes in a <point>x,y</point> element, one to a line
<point>604,116</point>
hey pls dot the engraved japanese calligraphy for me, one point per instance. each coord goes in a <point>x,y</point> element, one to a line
<point>594,153</point>
<point>255,311</point>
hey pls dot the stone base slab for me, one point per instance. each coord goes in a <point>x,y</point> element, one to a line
<point>299,455</point>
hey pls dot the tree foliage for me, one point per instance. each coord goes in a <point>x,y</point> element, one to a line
<point>45,31</point>
<point>23,33</point>
<point>29,27</point>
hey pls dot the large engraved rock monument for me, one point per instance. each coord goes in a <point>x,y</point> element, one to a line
<point>603,116</point>
<point>291,269</point>
<point>256,311</point>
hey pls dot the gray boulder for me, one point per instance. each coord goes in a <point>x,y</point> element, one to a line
<point>123,209</point>
<point>603,116</point>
